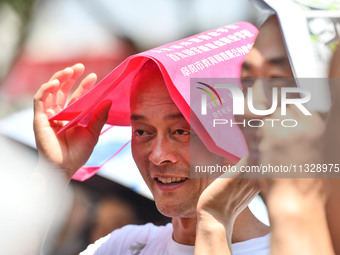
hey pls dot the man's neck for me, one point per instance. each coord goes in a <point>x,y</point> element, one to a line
<point>246,227</point>
<point>184,230</point>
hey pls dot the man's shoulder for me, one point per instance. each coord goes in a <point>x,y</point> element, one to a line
<point>143,232</point>
<point>129,239</point>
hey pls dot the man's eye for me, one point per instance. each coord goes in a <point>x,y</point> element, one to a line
<point>181,132</point>
<point>139,132</point>
<point>141,136</point>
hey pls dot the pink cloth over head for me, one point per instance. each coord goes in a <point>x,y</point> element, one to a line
<point>217,53</point>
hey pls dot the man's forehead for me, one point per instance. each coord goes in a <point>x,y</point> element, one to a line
<point>169,116</point>
<point>152,92</point>
<point>153,97</point>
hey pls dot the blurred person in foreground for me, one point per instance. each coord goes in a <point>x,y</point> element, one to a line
<point>331,151</point>
<point>29,197</point>
<point>161,149</point>
<point>296,206</point>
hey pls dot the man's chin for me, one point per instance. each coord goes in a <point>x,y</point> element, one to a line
<point>177,211</point>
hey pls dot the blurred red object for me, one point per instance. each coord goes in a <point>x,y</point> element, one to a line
<point>29,73</point>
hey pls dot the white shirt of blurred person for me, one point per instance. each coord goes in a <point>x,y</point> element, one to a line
<point>160,144</point>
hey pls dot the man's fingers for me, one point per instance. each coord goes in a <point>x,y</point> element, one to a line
<point>66,84</point>
<point>63,75</point>
<point>86,85</point>
<point>72,72</point>
<point>99,118</point>
<point>51,98</point>
<point>78,70</point>
<point>67,80</point>
<point>40,98</point>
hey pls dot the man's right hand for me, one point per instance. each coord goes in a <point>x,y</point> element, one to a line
<point>71,149</point>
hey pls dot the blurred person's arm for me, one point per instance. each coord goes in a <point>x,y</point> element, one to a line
<point>333,210</point>
<point>71,149</point>
<point>217,211</point>
<point>296,205</point>
<point>297,216</point>
<point>331,150</point>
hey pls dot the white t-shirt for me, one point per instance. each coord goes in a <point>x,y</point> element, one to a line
<point>150,239</point>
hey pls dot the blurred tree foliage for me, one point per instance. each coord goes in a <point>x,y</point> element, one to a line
<point>24,9</point>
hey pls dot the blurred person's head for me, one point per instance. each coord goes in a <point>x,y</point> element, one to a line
<point>267,64</point>
<point>111,213</point>
<point>268,57</point>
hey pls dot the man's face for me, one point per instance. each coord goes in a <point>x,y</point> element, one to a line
<point>161,150</point>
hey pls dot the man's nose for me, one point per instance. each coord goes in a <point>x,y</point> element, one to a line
<point>163,151</point>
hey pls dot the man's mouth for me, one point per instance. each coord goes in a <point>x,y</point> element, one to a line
<point>171,180</point>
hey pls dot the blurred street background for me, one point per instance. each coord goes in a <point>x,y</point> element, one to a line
<point>40,37</point>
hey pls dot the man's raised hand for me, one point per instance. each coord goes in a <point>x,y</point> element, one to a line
<point>72,148</point>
